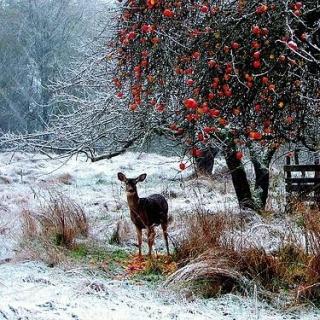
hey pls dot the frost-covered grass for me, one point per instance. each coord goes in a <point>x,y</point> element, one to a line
<point>33,291</point>
<point>74,290</point>
<point>96,188</point>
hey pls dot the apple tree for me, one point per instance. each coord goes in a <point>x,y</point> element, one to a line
<point>234,75</point>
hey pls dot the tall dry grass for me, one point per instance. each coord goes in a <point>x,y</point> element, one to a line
<point>203,231</point>
<point>308,217</point>
<point>57,222</point>
<point>206,254</point>
<point>211,260</point>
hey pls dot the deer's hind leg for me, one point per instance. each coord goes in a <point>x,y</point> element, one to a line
<point>151,236</point>
<point>139,236</point>
<point>165,235</point>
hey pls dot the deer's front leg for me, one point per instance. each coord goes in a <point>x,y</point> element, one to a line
<point>151,236</point>
<point>139,235</point>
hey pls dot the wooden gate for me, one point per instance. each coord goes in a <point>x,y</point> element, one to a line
<point>302,182</point>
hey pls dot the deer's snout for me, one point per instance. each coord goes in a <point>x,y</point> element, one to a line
<point>130,188</point>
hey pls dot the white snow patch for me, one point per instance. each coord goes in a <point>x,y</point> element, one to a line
<point>34,291</point>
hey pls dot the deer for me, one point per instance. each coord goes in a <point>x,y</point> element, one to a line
<point>146,213</point>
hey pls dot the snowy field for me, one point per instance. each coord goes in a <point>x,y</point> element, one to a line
<point>31,290</point>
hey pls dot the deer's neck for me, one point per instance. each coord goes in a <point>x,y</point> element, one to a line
<point>133,201</point>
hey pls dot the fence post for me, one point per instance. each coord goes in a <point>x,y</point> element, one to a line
<point>287,176</point>
<point>316,185</point>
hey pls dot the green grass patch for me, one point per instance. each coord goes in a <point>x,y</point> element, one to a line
<point>111,261</point>
<point>151,278</point>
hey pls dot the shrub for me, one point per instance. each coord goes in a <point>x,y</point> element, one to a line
<point>259,266</point>
<point>311,222</point>
<point>212,262</point>
<point>56,223</point>
<point>203,231</point>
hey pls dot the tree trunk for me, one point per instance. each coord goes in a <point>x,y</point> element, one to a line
<point>240,181</point>
<point>204,165</point>
<point>261,165</point>
<point>262,182</point>
<point>45,97</point>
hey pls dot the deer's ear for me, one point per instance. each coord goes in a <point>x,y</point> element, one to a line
<point>141,177</point>
<point>121,177</point>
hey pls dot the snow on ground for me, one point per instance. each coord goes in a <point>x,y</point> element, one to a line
<point>24,179</point>
<point>32,290</point>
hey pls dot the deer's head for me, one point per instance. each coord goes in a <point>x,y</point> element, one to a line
<point>131,184</point>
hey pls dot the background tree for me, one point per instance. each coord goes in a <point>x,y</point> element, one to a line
<point>85,109</point>
<point>38,40</point>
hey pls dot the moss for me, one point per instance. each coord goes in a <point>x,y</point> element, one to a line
<point>119,255</point>
<point>79,252</point>
<point>151,278</point>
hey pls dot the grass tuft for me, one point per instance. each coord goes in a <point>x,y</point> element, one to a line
<point>212,261</point>
<point>53,227</point>
<point>59,220</point>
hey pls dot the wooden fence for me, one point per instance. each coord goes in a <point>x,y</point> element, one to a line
<point>303,182</point>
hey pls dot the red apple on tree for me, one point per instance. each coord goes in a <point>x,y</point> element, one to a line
<point>238,155</point>
<point>256,64</point>
<point>168,13</point>
<point>235,45</point>
<point>204,9</point>
<point>292,45</point>
<point>255,30</point>
<point>190,103</point>
<point>256,55</point>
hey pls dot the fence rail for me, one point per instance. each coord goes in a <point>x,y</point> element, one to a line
<point>306,188</point>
